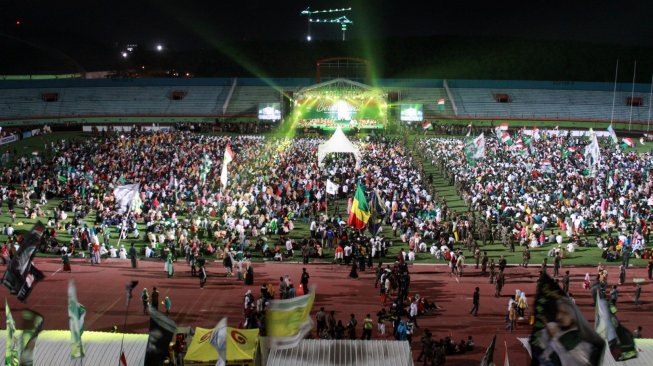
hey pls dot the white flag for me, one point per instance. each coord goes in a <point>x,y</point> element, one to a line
<point>479,144</point>
<point>228,157</point>
<point>592,152</point>
<point>219,341</point>
<point>331,187</point>
<point>125,196</point>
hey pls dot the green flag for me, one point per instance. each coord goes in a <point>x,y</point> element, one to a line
<point>63,178</point>
<point>11,355</point>
<point>76,313</point>
<point>32,326</point>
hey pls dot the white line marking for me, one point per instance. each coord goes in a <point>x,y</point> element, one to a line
<point>55,272</point>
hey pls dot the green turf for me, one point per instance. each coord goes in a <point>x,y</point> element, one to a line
<point>583,256</point>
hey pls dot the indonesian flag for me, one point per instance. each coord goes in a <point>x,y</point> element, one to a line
<point>628,141</point>
<point>228,157</point>
<point>426,125</point>
<point>506,139</point>
<point>441,101</point>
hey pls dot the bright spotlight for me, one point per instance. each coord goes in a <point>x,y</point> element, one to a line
<point>159,47</point>
<point>308,38</point>
<point>124,54</point>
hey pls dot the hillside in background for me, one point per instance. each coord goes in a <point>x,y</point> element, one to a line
<point>433,58</point>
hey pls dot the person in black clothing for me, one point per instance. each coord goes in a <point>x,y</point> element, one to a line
<point>351,327</point>
<point>155,298</point>
<point>132,255</point>
<point>354,270</point>
<point>650,269</point>
<point>565,282</point>
<point>202,271</point>
<point>475,302</point>
<point>339,330</point>
<point>304,281</point>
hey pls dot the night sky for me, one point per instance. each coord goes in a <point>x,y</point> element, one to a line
<point>196,23</point>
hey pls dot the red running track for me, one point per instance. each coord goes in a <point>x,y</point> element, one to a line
<point>102,290</point>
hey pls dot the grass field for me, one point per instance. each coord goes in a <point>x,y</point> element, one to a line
<point>583,256</point>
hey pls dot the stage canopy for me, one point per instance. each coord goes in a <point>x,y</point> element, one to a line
<point>340,103</point>
<point>338,143</point>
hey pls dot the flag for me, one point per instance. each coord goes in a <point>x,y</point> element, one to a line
<point>76,313</point>
<point>613,135</point>
<point>479,143</point>
<point>592,152</point>
<point>21,274</point>
<point>13,344</point>
<point>620,340</point>
<point>488,358</point>
<point>506,361</point>
<point>427,125</point>
<point>32,326</point>
<point>228,157</point>
<point>63,178</point>
<point>378,212</point>
<point>331,188</point>
<point>441,104</point>
<point>628,142</point>
<point>162,329</point>
<point>536,134</point>
<point>288,321</point>
<point>360,211</point>
<point>561,334</point>
<point>125,195</point>
<point>505,138</point>
<point>219,341</point>
<point>504,126</point>
<point>123,359</point>
<point>546,166</point>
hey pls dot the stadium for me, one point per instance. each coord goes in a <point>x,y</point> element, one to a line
<point>338,218</point>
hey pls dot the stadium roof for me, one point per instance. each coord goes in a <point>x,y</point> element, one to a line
<point>101,348</point>
<point>321,352</point>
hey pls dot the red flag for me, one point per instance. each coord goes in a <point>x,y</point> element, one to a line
<point>123,359</point>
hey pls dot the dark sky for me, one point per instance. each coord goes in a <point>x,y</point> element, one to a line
<point>190,23</point>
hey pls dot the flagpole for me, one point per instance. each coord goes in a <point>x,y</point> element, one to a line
<point>632,94</point>
<point>650,99</point>
<point>124,327</point>
<point>614,92</point>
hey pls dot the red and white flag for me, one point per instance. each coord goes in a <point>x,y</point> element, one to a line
<point>123,359</point>
<point>628,141</point>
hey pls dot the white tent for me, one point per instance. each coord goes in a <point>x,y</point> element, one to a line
<point>338,143</point>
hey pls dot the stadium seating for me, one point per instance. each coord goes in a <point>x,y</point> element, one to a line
<point>245,99</point>
<point>428,97</point>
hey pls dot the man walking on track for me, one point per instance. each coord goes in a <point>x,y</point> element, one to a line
<point>304,281</point>
<point>475,302</point>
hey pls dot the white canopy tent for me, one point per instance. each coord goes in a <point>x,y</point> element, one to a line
<point>338,143</point>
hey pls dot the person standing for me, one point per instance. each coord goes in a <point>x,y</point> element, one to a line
<point>614,295</point>
<point>320,318</point>
<point>167,304</point>
<point>351,326</point>
<point>477,256</point>
<point>565,282</point>
<point>304,281</point>
<point>305,253</point>
<point>169,267</point>
<point>145,298</point>
<point>368,324</point>
<point>476,297</point>
<point>381,317</point>
<point>155,298</point>
<point>638,293</point>
<point>498,284</point>
<point>650,268</point>
<point>132,255</point>
<point>526,256</point>
<point>331,324</point>
<point>202,271</point>
<point>557,263</point>
<point>484,263</point>
<point>622,274</point>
